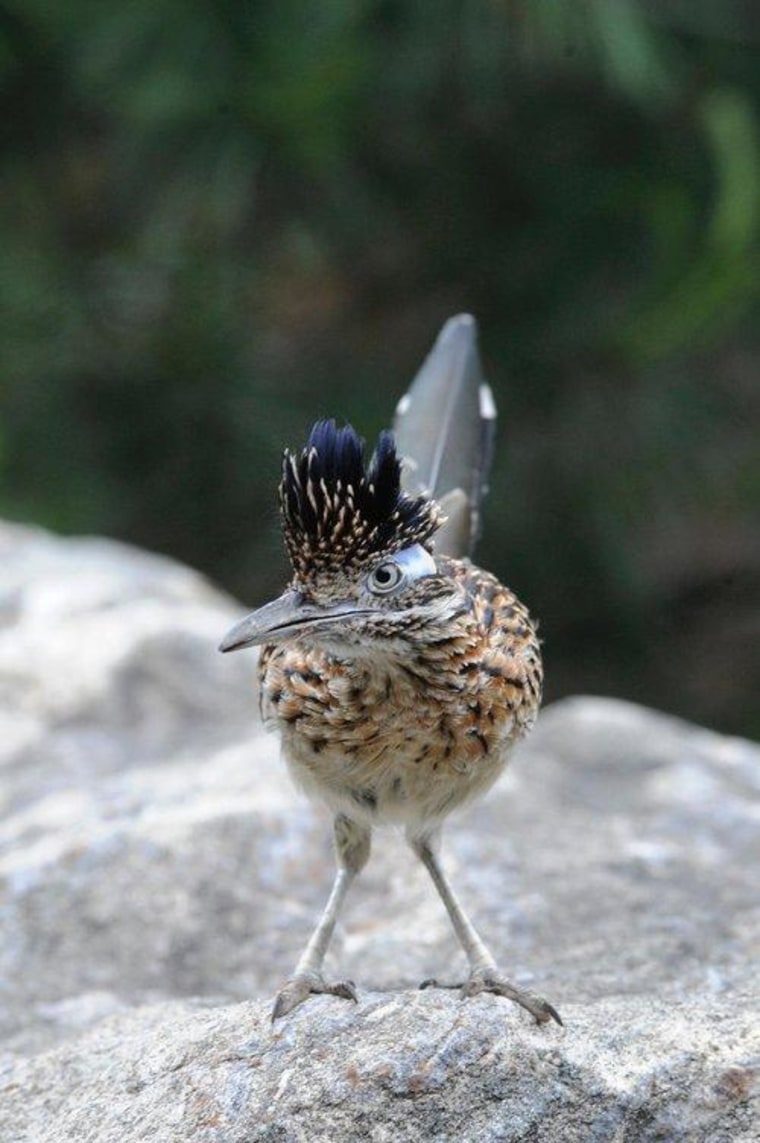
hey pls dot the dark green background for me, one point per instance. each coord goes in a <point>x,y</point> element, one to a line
<point>223,219</point>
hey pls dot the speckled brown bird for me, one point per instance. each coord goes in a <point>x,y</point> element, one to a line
<point>399,675</point>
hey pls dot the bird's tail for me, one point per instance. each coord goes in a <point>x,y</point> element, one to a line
<point>444,429</point>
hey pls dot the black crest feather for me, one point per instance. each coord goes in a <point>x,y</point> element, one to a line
<point>338,510</point>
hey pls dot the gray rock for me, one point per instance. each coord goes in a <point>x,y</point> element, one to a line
<point>416,1066</point>
<point>158,876</point>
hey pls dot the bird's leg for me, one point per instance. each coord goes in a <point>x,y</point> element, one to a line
<point>484,974</point>
<point>352,844</point>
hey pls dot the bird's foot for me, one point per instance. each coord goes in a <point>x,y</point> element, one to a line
<point>491,980</point>
<point>301,986</point>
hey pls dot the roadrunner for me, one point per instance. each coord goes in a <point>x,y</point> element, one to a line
<point>399,675</point>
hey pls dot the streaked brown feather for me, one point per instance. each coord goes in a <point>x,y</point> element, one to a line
<point>410,739</point>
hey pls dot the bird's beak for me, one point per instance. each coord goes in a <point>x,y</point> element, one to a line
<point>283,618</point>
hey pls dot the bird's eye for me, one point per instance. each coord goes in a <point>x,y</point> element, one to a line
<point>385,578</point>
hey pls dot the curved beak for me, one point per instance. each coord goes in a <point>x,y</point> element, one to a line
<point>287,617</point>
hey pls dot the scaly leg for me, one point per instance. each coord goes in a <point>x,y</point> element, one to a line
<point>352,843</point>
<point>484,974</point>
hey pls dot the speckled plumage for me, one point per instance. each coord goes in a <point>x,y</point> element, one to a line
<point>339,512</point>
<point>409,738</point>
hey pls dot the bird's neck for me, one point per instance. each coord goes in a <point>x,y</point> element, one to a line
<point>419,660</point>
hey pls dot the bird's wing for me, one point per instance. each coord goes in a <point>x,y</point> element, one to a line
<point>444,429</point>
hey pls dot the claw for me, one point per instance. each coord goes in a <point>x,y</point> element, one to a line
<point>539,1008</point>
<point>299,988</point>
<point>551,1013</point>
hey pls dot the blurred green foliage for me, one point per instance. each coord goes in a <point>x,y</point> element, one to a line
<point>223,218</point>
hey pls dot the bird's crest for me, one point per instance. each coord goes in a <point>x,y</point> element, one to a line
<point>338,511</point>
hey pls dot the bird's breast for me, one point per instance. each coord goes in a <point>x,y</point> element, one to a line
<point>389,741</point>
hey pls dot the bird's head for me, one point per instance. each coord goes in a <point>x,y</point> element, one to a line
<point>364,574</point>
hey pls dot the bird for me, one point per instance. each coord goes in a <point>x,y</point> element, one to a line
<point>399,674</point>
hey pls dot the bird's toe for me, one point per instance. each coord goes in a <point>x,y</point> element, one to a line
<point>499,985</point>
<point>300,987</point>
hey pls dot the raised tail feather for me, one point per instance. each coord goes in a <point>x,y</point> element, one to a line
<point>444,428</point>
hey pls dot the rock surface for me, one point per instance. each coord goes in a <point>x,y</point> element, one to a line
<point>158,876</point>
